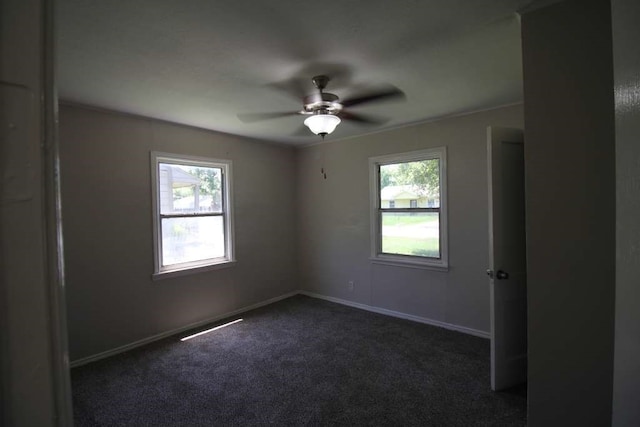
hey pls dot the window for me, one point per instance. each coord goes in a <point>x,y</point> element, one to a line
<point>411,230</point>
<point>192,212</point>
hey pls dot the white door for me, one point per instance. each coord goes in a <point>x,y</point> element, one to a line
<point>507,257</point>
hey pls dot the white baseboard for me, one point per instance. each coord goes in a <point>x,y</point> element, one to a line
<point>463,329</point>
<point>130,346</point>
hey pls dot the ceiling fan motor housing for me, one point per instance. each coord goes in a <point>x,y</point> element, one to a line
<point>324,102</point>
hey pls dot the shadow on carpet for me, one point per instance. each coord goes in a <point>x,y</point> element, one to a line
<point>300,361</point>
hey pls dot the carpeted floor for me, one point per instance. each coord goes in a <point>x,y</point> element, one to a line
<point>300,361</point>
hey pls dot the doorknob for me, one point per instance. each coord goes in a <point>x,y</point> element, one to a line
<point>502,275</point>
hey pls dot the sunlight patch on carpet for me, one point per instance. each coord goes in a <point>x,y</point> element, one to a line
<point>210,330</point>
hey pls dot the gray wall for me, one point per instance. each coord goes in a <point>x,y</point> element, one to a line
<point>334,233</point>
<point>570,196</point>
<point>626,51</point>
<point>106,199</point>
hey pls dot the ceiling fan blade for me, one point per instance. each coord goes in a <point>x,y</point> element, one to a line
<point>300,85</point>
<point>258,117</point>
<point>296,88</point>
<point>378,95</point>
<point>363,118</point>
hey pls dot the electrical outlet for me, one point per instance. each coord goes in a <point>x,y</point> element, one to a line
<point>351,285</point>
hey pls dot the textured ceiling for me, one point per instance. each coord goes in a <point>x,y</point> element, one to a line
<point>201,62</point>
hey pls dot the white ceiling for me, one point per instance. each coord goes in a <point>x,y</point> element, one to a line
<point>201,62</point>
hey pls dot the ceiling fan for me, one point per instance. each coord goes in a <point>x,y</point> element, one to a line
<point>326,110</point>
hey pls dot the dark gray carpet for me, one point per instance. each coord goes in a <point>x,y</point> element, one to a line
<point>300,361</point>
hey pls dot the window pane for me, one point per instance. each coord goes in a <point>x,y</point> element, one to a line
<point>410,185</point>
<point>408,233</point>
<point>189,189</point>
<point>192,239</point>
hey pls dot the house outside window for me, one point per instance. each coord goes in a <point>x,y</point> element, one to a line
<point>408,208</point>
<point>192,213</point>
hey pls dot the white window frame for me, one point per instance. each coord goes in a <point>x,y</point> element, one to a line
<point>161,271</point>
<point>377,256</point>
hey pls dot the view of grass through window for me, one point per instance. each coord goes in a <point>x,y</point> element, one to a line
<point>411,234</point>
<point>410,208</point>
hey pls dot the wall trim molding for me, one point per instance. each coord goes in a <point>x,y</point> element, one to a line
<point>386,312</point>
<point>166,334</point>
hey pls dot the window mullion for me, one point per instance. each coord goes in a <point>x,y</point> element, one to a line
<point>408,210</point>
<point>191,215</point>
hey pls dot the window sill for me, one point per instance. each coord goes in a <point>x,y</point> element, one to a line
<point>396,262</point>
<point>191,270</point>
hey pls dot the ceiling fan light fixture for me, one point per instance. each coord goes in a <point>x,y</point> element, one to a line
<point>322,124</point>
